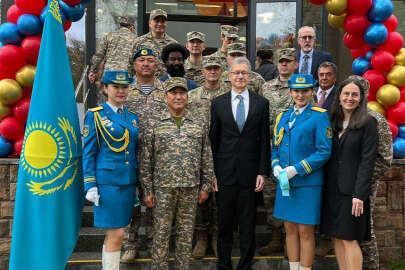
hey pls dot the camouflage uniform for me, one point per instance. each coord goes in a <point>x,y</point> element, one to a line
<point>176,163</point>
<point>194,71</point>
<point>116,49</point>
<point>227,31</point>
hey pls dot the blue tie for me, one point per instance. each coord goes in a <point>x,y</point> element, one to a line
<point>293,117</point>
<point>305,65</point>
<point>240,113</point>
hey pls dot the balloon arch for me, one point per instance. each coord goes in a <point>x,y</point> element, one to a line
<point>370,35</point>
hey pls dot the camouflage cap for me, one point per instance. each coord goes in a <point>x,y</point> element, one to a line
<point>195,35</point>
<point>363,82</point>
<point>174,82</point>
<point>156,13</point>
<point>127,20</point>
<point>236,48</point>
<point>287,53</point>
<point>210,61</point>
<point>229,31</point>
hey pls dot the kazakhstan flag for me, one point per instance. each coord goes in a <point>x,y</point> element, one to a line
<point>49,199</point>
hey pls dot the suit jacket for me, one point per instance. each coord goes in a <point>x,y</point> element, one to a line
<point>240,156</point>
<point>329,100</point>
<point>352,162</point>
<point>318,57</point>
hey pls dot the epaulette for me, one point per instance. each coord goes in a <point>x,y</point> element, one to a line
<point>99,108</point>
<point>318,109</point>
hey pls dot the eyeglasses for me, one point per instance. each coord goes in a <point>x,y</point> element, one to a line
<point>236,73</point>
<point>307,37</point>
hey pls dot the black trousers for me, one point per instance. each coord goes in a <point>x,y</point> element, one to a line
<point>236,204</point>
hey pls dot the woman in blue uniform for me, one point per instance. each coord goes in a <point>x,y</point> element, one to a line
<point>109,162</point>
<point>301,146</point>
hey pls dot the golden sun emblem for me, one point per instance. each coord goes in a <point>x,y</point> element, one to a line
<point>47,156</point>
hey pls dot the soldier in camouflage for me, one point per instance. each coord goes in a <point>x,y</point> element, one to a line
<point>236,50</point>
<point>200,103</point>
<point>145,99</point>
<point>156,39</point>
<point>115,49</point>
<point>176,173</point>
<point>277,93</point>
<point>193,64</point>
<point>229,35</point>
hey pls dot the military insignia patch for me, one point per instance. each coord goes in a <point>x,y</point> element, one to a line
<point>134,123</point>
<point>329,132</point>
<point>300,80</point>
<point>85,131</point>
<point>144,52</point>
<point>106,122</point>
<point>120,76</point>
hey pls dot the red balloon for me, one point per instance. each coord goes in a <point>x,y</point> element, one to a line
<point>382,61</point>
<point>6,72</point>
<point>72,2</point>
<point>20,109</point>
<point>30,47</point>
<point>391,23</point>
<point>394,113</point>
<point>359,6</point>
<point>353,41</point>
<point>12,57</point>
<point>356,53</point>
<point>31,6</point>
<point>393,43</point>
<point>317,2</point>
<point>13,13</point>
<point>67,25</point>
<point>356,24</point>
<point>11,128</point>
<point>375,78</point>
<point>402,90</point>
<point>27,91</point>
<point>18,144</point>
<point>394,129</point>
<point>371,97</point>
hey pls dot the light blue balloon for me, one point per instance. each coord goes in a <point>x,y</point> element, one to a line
<point>1,45</point>
<point>29,24</point>
<point>380,10</point>
<point>9,34</point>
<point>73,13</point>
<point>360,65</point>
<point>376,34</point>
<point>399,147</point>
<point>401,131</point>
<point>6,147</point>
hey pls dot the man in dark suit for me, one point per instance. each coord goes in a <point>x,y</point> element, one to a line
<point>240,141</point>
<point>309,59</point>
<point>327,73</point>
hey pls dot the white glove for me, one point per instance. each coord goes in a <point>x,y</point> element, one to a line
<point>291,172</point>
<point>276,171</point>
<point>93,196</point>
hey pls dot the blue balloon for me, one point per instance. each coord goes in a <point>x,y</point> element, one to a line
<point>401,131</point>
<point>1,45</point>
<point>399,147</point>
<point>9,34</point>
<point>6,147</point>
<point>380,10</point>
<point>369,54</point>
<point>43,15</point>
<point>360,65</point>
<point>85,2</point>
<point>376,34</point>
<point>29,24</point>
<point>73,13</point>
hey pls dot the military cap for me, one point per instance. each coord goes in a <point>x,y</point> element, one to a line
<point>236,48</point>
<point>143,52</point>
<point>117,77</point>
<point>195,35</point>
<point>174,82</point>
<point>156,13</point>
<point>301,81</point>
<point>229,31</point>
<point>363,82</point>
<point>287,53</point>
<point>210,61</point>
<point>127,20</point>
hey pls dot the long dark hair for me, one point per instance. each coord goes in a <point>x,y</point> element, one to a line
<point>359,115</point>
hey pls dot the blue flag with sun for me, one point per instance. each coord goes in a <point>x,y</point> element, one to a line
<point>49,199</point>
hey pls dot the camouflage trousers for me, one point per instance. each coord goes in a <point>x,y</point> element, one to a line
<point>132,237</point>
<point>269,193</point>
<point>206,217</point>
<point>178,204</point>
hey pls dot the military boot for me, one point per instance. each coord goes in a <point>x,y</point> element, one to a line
<point>201,245</point>
<point>325,245</point>
<point>214,240</point>
<point>275,245</point>
<point>129,256</point>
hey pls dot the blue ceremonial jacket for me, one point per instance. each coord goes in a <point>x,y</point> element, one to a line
<point>109,151</point>
<point>306,145</point>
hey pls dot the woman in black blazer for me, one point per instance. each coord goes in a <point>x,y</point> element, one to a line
<point>345,206</point>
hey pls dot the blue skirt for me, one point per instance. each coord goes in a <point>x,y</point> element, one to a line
<point>115,206</point>
<point>303,206</point>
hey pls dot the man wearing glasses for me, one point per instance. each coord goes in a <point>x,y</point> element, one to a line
<point>309,59</point>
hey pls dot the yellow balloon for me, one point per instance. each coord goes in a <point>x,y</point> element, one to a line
<point>336,7</point>
<point>388,95</point>
<point>10,91</point>
<point>377,107</point>
<point>396,76</point>
<point>4,111</point>
<point>25,75</point>
<point>337,21</point>
<point>400,57</point>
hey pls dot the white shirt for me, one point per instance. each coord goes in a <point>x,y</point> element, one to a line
<point>309,60</point>
<point>235,102</point>
<point>300,109</point>
<point>115,109</point>
<point>319,93</point>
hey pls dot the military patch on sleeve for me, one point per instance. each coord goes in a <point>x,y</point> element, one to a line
<point>329,132</point>
<point>134,123</point>
<point>85,131</point>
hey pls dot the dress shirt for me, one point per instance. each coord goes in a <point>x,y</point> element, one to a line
<point>319,93</point>
<point>235,102</point>
<point>115,109</point>
<point>309,60</point>
<point>300,109</point>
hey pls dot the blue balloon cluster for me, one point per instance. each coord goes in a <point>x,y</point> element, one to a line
<point>360,65</point>
<point>29,24</point>
<point>73,13</point>
<point>9,34</point>
<point>6,147</point>
<point>380,11</point>
<point>376,34</point>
